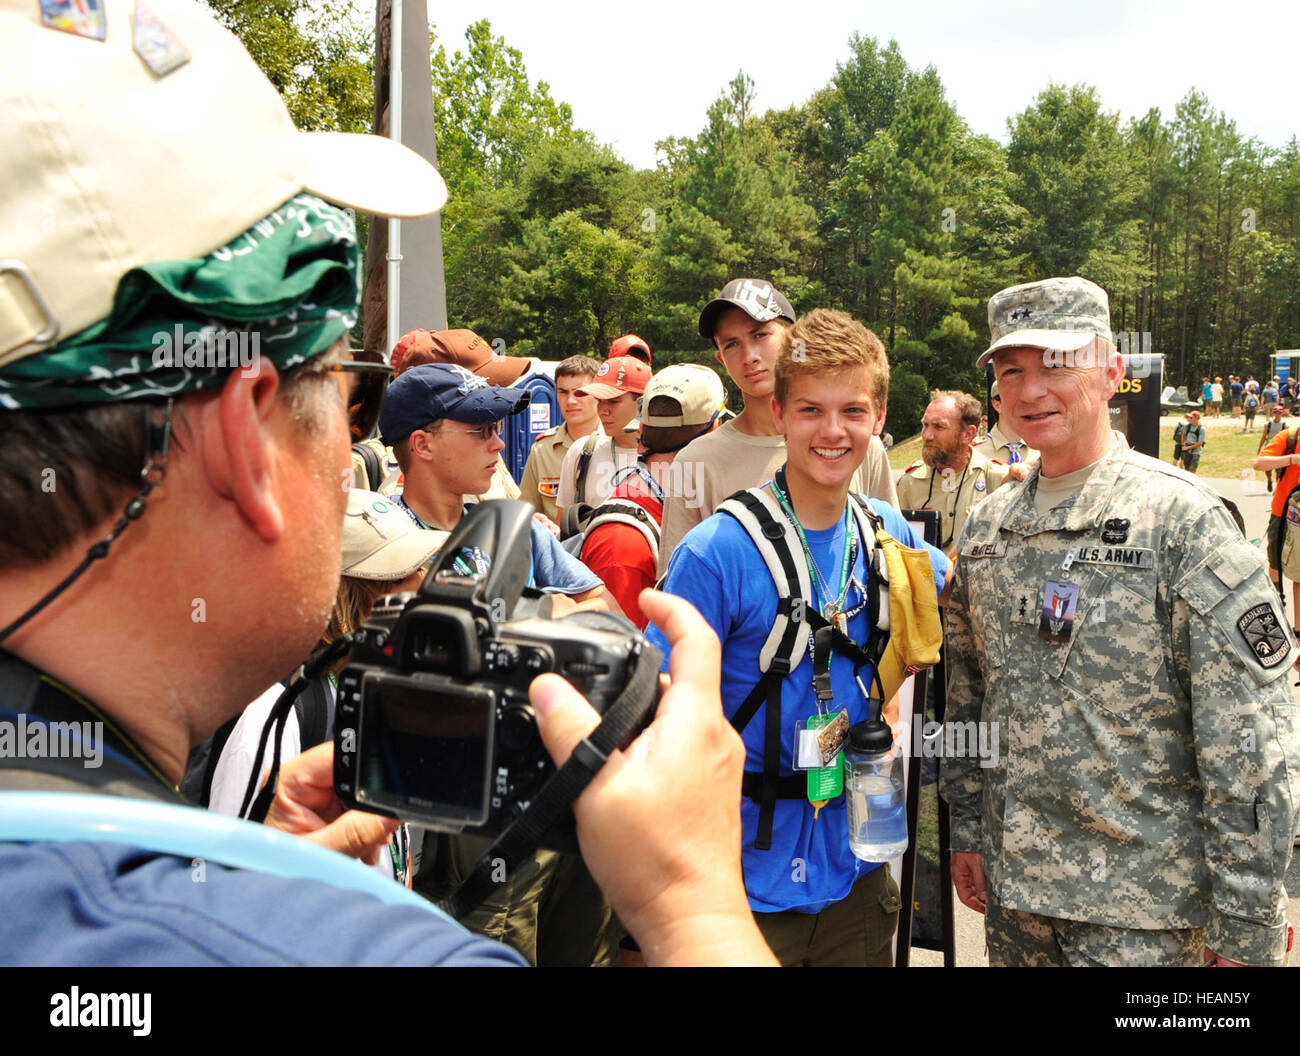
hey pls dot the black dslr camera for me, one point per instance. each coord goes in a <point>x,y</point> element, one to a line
<point>433,723</point>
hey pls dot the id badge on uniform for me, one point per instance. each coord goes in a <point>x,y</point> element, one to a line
<point>1060,599</point>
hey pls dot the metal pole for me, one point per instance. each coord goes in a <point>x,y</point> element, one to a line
<point>395,133</point>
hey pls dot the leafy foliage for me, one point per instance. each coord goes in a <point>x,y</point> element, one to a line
<point>872,196</point>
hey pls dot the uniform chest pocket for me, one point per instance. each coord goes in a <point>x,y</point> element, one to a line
<point>1117,653</point>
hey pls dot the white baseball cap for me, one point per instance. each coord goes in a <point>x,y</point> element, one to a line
<point>382,542</point>
<point>697,389</point>
<point>137,131</point>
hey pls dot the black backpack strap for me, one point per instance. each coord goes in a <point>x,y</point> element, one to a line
<point>574,521</point>
<point>783,650</point>
<point>209,752</point>
<point>584,464</point>
<point>771,537</point>
<point>374,465</point>
<point>1291,435</point>
<point>23,692</point>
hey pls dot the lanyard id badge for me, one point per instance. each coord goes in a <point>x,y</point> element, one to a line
<point>820,739</point>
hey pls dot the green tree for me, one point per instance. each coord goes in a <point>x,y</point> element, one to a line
<point>488,114</point>
<point>1077,181</point>
<point>319,54</point>
<point>736,173</point>
<point>913,234</point>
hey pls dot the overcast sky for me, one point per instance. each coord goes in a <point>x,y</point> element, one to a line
<point>637,73</point>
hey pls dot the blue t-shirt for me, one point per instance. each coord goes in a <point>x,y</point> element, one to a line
<point>554,571</point>
<point>1236,389</point>
<point>1206,392</point>
<point>717,568</point>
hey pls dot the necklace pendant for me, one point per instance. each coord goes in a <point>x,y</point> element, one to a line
<point>841,621</point>
<point>830,610</point>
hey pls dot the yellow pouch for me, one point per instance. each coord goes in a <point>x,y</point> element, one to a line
<point>915,631</point>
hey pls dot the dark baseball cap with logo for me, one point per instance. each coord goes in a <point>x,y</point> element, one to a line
<point>757,298</point>
<point>434,391</point>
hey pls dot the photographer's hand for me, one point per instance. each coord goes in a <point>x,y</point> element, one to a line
<point>305,805</point>
<point>660,824</point>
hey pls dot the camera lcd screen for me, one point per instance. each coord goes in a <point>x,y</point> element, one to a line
<point>426,746</point>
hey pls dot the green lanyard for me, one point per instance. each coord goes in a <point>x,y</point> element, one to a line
<point>832,607</point>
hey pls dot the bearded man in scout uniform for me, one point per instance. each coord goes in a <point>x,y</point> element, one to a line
<point>950,476</point>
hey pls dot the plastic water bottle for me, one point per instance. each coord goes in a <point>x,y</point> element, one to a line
<point>873,786</point>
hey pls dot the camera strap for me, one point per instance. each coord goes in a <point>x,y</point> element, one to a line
<point>276,722</point>
<point>518,842</point>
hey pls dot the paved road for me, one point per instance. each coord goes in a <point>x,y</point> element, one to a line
<point>1253,502</point>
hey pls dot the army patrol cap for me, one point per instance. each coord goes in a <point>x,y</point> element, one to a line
<point>1060,314</point>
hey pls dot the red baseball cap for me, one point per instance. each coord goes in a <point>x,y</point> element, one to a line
<point>631,345</point>
<point>617,376</point>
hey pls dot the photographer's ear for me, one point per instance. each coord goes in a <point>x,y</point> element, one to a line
<point>233,434</point>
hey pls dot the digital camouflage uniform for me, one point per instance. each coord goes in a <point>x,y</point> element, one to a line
<point>1147,775</point>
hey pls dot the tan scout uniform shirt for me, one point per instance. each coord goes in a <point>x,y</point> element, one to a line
<point>541,480</point>
<point>921,488</point>
<point>1147,767</point>
<point>996,447</point>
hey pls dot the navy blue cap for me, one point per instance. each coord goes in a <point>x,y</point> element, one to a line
<point>435,391</point>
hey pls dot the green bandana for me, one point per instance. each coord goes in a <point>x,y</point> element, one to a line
<point>285,289</point>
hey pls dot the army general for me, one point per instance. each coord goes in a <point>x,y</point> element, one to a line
<point>1109,617</point>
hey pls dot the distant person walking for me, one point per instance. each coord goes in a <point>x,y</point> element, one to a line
<point>1193,441</point>
<point>1272,427</point>
<point>1251,406</point>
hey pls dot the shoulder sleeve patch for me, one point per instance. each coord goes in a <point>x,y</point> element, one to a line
<point>1262,630</point>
